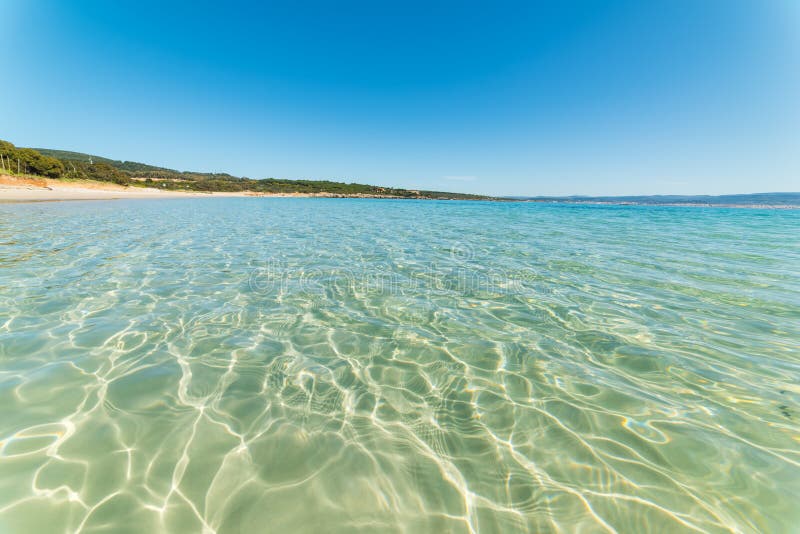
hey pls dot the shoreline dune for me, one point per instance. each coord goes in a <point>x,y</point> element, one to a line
<point>29,189</point>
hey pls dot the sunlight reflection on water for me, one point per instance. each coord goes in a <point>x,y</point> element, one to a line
<point>301,365</point>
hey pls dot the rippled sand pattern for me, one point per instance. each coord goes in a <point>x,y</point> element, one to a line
<point>276,365</point>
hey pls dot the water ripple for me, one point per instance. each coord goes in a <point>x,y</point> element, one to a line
<point>231,365</point>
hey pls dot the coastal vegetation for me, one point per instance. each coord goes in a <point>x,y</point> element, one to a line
<point>60,164</point>
<point>15,160</point>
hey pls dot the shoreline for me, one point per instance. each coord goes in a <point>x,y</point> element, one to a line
<point>14,189</point>
<point>29,189</point>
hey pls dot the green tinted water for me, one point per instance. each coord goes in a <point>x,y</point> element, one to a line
<point>303,365</point>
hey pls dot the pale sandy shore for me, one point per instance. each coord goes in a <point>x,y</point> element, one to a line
<point>17,189</point>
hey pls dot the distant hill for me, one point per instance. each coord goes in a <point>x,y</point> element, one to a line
<point>64,164</point>
<point>752,199</point>
<point>87,158</point>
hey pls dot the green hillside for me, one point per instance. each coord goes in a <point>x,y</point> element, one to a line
<point>66,155</point>
<point>68,165</point>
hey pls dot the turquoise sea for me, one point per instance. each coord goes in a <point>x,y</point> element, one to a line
<point>248,365</point>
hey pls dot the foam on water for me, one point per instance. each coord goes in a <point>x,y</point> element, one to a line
<point>312,365</point>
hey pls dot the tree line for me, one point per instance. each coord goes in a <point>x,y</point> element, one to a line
<point>15,160</point>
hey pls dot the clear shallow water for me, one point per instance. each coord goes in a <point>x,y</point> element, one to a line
<point>308,365</point>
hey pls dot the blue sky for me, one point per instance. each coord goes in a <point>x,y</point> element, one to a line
<point>529,98</point>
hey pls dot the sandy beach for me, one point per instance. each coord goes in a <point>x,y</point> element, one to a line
<point>34,189</point>
<point>19,189</point>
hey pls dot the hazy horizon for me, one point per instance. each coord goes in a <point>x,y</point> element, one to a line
<point>517,99</point>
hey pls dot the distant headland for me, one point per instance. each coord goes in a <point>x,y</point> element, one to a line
<point>751,200</point>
